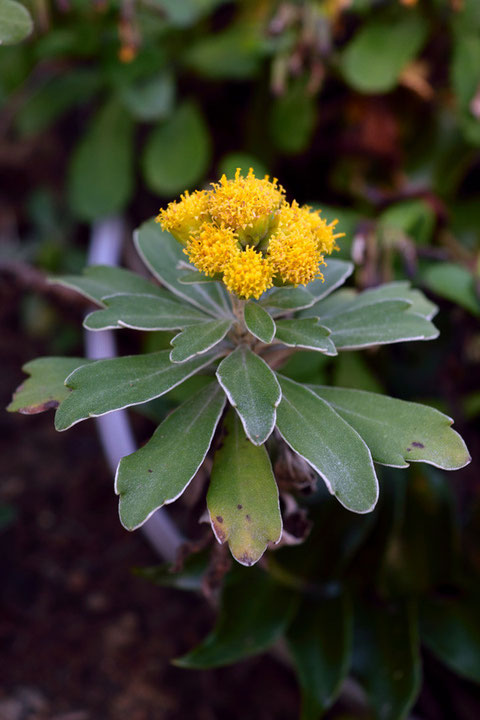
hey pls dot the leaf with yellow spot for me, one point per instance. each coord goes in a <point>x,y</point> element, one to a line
<point>242,498</point>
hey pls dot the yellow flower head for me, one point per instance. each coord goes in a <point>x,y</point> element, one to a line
<point>211,248</point>
<point>185,217</point>
<point>245,204</point>
<point>245,231</point>
<point>297,247</point>
<point>248,274</point>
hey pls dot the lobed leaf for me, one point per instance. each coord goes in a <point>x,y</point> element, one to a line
<point>259,322</point>
<point>313,429</point>
<point>161,253</point>
<point>305,333</point>
<point>160,471</point>
<point>320,642</point>
<point>198,339</point>
<point>143,312</point>
<point>398,432</point>
<point>242,498</point>
<point>115,383</point>
<point>381,323</point>
<point>253,390</point>
<point>100,281</point>
<point>45,388</point>
<point>248,622</point>
<point>455,283</point>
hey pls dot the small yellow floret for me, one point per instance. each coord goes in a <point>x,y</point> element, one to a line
<point>245,201</point>
<point>186,216</point>
<point>211,248</point>
<point>248,274</point>
<point>295,257</point>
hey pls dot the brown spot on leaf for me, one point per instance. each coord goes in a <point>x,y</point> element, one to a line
<point>149,470</point>
<point>247,517</point>
<point>35,409</point>
<point>418,444</point>
<point>246,559</point>
<point>409,449</point>
<point>239,507</point>
<point>220,518</point>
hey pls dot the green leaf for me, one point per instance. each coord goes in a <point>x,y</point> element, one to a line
<point>334,449</point>
<point>45,387</point>
<point>160,471</point>
<point>151,98</point>
<point>450,628</point>
<point>193,276</point>
<point>189,577</point>
<point>230,162</point>
<point>455,283</point>
<point>101,171</point>
<point>254,612</point>
<point>259,322</point>
<point>349,299</point>
<point>373,61</point>
<point>177,153</point>
<point>253,390</point>
<point>115,383</point>
<point>305,333</point>
<point>242,498</point>
<point>161,253</point>
<point>465,78</point>
<point>232,53</point>
<point>398,432</point>
<point>287,298</point>
<point>381,323</point>
<point>415,218</point>
<point>198,339</point>
<point>15,22</point>
<point>296,298</point>
<point>320,642</point>
<point>99,281</point>
<point>143,312</point>
<point>54,98</point>
<point>386,657</point>
<point>292,119</point>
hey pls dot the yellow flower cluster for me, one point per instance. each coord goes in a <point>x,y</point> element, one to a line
<point>244,231</point>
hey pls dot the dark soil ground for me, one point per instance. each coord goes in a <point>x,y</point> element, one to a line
<point>81,638</point>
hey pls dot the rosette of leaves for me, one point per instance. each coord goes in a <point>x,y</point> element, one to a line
<point>247,409</point>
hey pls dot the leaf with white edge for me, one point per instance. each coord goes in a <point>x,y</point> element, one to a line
<point>255,610</point>
<point>386,657</point>
<point>349,299</point>
<point>398,432</point>
<point>334,275</point>
<point>287,298</point>
<point>198,339</point>
<point>15,22</point>
<point>45,388</point>
<point>320,642</point>
<point>296,298</point>
<point>330,445</point>
<point>160,471</point>
<point>253,390</point>
<point>115,383</point>
<point>382,323</point>
<point>259,322</point>
<point>161,253</point>
<point>189,277</point>
<point>99,281</point>
<point>242,498</point>
<point>305,333</point>
<point>144,312</point>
